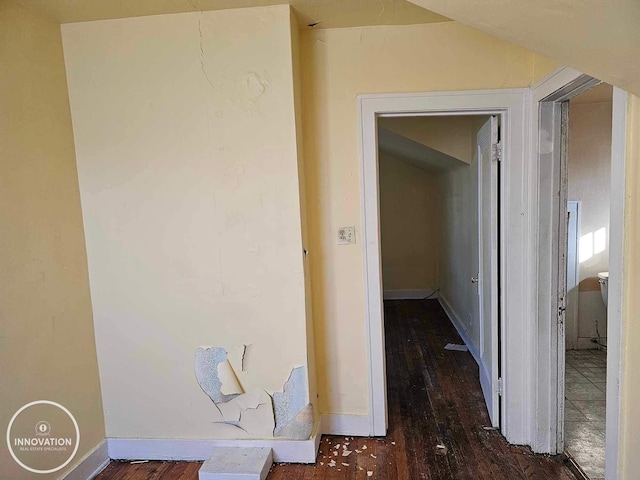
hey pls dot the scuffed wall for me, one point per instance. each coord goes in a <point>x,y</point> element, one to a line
<point>47,348</point>
<point>188,164</point>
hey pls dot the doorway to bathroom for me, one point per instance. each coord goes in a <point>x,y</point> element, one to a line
<point>579,130</point>
<point>587,171</point>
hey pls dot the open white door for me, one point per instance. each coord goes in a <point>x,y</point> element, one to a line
<point>488,157</point>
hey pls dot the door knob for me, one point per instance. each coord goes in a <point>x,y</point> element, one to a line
<point>474,279</point>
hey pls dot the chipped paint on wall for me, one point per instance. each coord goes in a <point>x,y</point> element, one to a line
<point>250,413</point>
<point>301,427</point>
<point>293,399</point>
<point>229,384</point>
<point>223,238</point>
<point>286,414</point>
<point>206,368</point>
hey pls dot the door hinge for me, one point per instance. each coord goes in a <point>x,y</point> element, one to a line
<point>496,151</point>
<point>500,386</point>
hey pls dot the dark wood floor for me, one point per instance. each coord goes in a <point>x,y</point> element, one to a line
<point>434,399</point>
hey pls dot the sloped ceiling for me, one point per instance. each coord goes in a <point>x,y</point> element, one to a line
<point>599,94</point>
<point>415,153</point>
<point>329,13</point>
<point>598,37</point>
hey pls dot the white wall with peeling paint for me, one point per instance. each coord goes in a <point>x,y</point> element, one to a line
<point>187,158</point>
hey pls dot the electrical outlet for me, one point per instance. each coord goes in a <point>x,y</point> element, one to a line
<point>346,235</point>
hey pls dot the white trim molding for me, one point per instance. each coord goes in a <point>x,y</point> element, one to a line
<point>90,465</point>
<point>457,323</point>
<point>415,294</point>
<point>512,105</point>
<point>615,319</point>
<point>290,451</point>
<point>544,205</point>
<point>347,425</point>
<point>546,352</point>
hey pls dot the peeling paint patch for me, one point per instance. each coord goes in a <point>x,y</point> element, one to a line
<point>251,413</point>
<point>247,357</point>
<point>288,404</point>
<point>286,414</point>
<point>229,382</point>
<point>301,427</point>
<point>206,367</point>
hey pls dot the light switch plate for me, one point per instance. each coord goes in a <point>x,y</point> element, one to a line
<point>346,235</point>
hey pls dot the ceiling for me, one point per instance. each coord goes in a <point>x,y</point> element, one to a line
<point>329,13</point>
<point>415,153</point>
<point>598,37</point>
<point>598,94</point>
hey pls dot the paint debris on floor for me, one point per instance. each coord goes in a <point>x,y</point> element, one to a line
<point>456,347</point>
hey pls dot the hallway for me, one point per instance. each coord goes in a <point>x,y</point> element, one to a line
<point>434,398</point>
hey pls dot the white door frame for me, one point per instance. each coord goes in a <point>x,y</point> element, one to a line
<point>544,186</point>
<point>513,106</point>
<point>573,275</point>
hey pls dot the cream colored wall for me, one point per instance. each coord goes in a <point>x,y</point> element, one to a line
<point>589,174</point>
<point>449,135</point>
<point>185,135</point>
<point>338,65</point>
<point>543,66</point>
<point>47,348</point>
<point>629,385</point>
<point>409,225</point>
<point>302,192</point>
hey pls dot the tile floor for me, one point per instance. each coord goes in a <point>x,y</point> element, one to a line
<point>584,417</point>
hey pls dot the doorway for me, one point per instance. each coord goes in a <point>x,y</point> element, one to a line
<point>588,180</point>
<point>579,355</point>
<point>439,211</point>
<point>509,108</point>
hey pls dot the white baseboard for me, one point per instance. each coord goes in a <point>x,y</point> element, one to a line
<point>415,294</point>
<point>90,465</point>
<point>290,451</point>
<point>348,425</point>
<point>457,323</point>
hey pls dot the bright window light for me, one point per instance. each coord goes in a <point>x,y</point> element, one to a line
<point>586,247</point>
<point>599,240</point>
